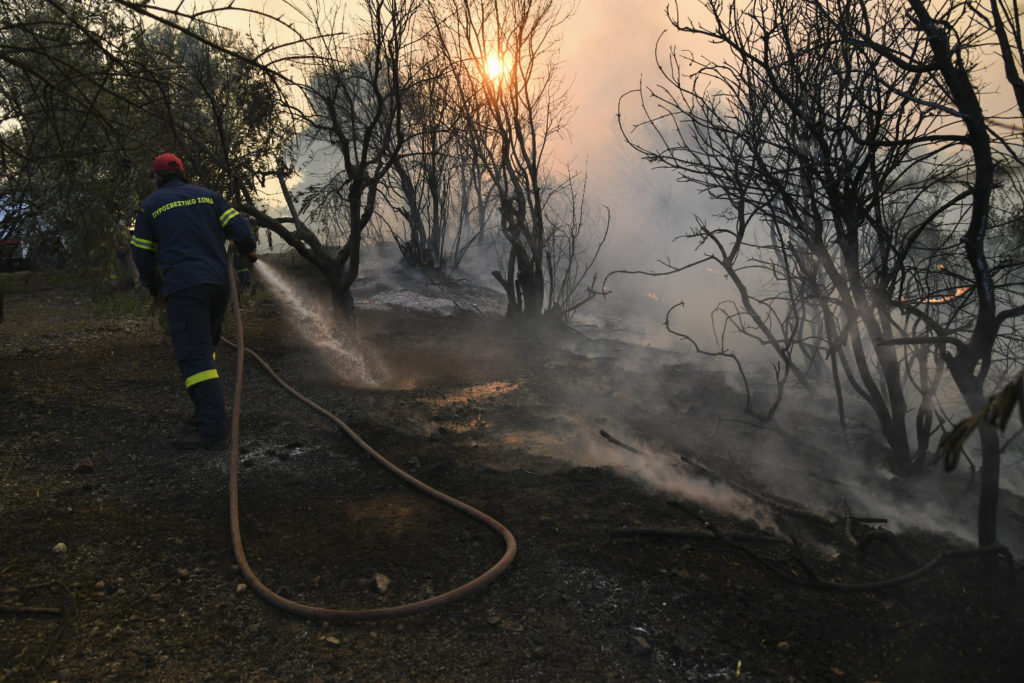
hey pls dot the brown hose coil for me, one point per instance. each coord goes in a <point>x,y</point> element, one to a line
<point>323,613</point>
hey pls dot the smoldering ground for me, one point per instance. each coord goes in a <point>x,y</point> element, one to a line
<point>675,419</point>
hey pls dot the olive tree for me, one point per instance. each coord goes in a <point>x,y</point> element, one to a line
<point>90,93</point>
<point>64,145</point>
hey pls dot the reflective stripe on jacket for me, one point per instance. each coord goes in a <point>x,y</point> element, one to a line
<point>181,228</point>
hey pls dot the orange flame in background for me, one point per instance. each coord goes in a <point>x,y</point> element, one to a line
<point>960,291</point>
<point>653,296</point>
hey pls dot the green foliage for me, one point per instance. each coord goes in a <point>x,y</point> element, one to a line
<point>221,114</point>
<point>63,150</point>
<point>88,96</point>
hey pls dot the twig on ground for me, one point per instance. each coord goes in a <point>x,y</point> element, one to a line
<point>618,443</point>
<point>7,608</point>
<point>65,612</point>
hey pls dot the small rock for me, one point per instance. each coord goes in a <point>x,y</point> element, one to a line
<point>333,640</point>
<point>638,645</point>
<point>381,583</point>
<point>60,548</point>
<point>183,572</point>
<point>784,646</point>
<point>240,588</point>
<point>83,466</point>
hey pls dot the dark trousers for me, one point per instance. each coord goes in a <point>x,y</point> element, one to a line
<point>194,317</point>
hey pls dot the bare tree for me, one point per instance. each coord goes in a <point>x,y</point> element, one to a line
<point>572,248</point>
<point>421,186</point>
<point>831,138</point>
<point>503,55</point>
<point>972,340</point>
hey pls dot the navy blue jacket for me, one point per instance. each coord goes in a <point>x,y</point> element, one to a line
<point>181,228</point>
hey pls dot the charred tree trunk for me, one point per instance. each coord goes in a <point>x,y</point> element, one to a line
<point>970,366</point>
<point>418,250</point>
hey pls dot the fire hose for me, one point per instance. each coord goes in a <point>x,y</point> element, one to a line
<point>324,613</point>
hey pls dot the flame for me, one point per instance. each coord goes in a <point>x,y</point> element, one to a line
<point>960,291</point>
<point>654,296</point>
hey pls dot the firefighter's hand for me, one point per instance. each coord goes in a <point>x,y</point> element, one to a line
<point>158,300</point>
<point>253,257</point>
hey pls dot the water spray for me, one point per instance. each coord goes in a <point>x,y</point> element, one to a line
<point>339,349</point>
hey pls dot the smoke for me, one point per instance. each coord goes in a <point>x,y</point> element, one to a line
<point>609,50</point>
<point>666,474</point>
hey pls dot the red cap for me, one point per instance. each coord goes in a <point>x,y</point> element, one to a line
<point>168,162</point>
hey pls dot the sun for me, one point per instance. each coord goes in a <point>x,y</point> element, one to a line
<point>494,67</point>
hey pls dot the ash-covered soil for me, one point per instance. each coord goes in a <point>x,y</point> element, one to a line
<point>662,534</point>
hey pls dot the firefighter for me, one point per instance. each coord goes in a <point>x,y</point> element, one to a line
<point>178,248</point>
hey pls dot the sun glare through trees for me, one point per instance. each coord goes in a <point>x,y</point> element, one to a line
<point>495,68</point>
